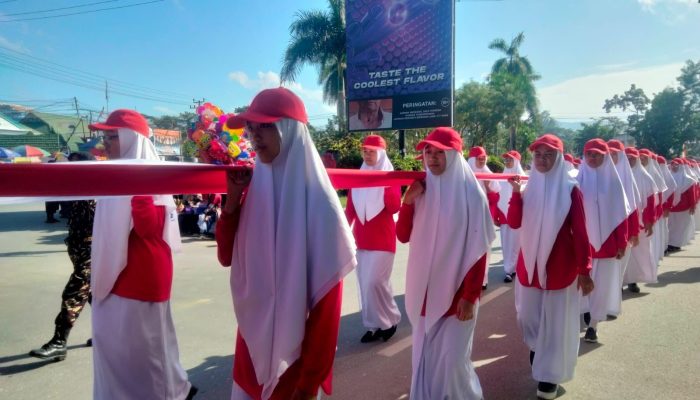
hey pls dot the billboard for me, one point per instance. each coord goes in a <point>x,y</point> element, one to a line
<point>167,142</point>
<point>400,63</point>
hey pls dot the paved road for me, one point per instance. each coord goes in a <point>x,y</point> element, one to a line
<point>651,352</point>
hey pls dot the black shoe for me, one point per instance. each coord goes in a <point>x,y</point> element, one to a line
<point>369,337</point>
<point>386,334</point>
<point>508,278</point>
<point>591,336</point>
<point>672,249</point>
<point>532,357</point>
<point>193,391</point>
<point>484,287</point>
<point>633,288</point>
<point>587,318</point>
<point>547,391</point>
<point>54,349</point>
<point>51,221</point>
<point>612,317</point>
<point>89,343</point>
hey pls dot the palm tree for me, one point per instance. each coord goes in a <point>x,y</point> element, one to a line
<point>519,67</point>
<point>318,38</point>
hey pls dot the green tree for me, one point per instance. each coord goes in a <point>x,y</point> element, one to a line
<point>514,75</point>
<point>635,100</point>
<point>477,114</point>
<point>666,126</point>
<point>318,39</point>
<point>603,128</point>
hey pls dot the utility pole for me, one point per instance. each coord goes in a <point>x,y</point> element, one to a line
<point>107,94</point>
<point>197,103</point>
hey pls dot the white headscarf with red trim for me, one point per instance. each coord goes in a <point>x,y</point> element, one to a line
<point>506,190</point>
<point>493,185</point>
<point>293,245</point>
<point>604,200</point>
<point>624,171</point>
<point>113,221</point>
<point>369,202</point>
<point>546,203</point>
<point>452,230</point>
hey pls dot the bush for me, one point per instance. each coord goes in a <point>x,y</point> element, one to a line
<point>409,163</point>
<point>495,164</point>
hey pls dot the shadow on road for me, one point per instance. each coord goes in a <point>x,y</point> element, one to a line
<point>37,363</point>
<point>688,276</point>
<point>213,377</point>
<point>28,221</point>
<point>30,253</point>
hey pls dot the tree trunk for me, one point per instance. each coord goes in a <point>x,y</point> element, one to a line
<point>341,100</point>
<point>511,139</point>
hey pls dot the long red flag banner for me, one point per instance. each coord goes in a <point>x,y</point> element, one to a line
<point>113,179</point>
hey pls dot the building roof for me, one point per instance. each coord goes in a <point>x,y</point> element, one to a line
<point>71,128</point>
<point>10,126</point>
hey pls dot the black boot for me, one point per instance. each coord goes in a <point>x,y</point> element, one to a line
<point>386,334</point>
<point>193,391</point>
<point>55,349</point>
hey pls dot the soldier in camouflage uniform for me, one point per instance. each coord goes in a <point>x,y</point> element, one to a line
<point>77,290</point>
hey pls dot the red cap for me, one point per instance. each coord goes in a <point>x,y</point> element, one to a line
<point>477,151</point>
<point>271,105</point>
<point>123,118</point>
<point>596,145</point>
<point>549,140</point>
<point>646,152</point>
<point>568,157</point>
<point>677,160</point>
<point>577,161</point>
<point>375,142</point>
<point>443,138</point>
<point>631,151</point>
<point>661,159</point>
<point>615,145</point>
<point>512,154</point>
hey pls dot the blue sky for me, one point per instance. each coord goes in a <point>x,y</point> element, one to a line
<point>226,51</point>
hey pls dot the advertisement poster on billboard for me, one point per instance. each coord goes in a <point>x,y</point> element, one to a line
<point>400,63</point>
<point>167,142</point>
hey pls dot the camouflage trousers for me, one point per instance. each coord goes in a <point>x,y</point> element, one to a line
<point>76,292</point>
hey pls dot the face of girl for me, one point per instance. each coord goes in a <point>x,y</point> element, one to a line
<point>544,158</point>
<point>480,161</point>
<point>265,139</point>
<point>509,161</point>
<point>594,159</point>
<point>613,154</point>
<point>370,156</point>
<point>110,139</point>
<point>435,159</point>
<point>632,160</point>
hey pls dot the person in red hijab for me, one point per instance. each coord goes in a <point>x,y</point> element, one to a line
<point>288,244</point>
<point>371,213</point>
<point>554,264</point>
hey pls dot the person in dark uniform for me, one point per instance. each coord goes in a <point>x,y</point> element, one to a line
<point>77,290</point>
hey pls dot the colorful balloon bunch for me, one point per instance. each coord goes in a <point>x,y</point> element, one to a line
<point>217,143</point>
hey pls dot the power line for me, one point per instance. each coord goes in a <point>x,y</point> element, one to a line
<point>25,58</point>
<point>83,12</point>
<point>59,9</point>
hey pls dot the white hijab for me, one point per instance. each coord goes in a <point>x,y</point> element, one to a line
<point>369,202</point>
<point>684,181</point>
<point>507,190</point>
<point>655,172</point>
<point>292,247</point>
<point>670,182</point>
<point>113,222</point>
<point>570,169</point>
<point>604,200</point>
<point>546,203</point>
<point>494,186</point>
<point>645,184</point>
<point>452,230</point>
<point>624,171</point>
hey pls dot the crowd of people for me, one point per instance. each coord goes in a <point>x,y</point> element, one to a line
<point>572,237</point>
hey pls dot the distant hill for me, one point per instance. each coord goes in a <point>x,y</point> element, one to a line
<point>573,125</point>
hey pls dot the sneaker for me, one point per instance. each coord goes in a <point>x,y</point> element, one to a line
<point>633,288</point>
<point>370,336</point>
<point>508,278</point>
<point>591,335</point>
<point>587,318</point>
<point>547,391</point>
<point>386,334</point>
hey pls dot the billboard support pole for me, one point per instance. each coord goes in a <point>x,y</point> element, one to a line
<point>402,143</point>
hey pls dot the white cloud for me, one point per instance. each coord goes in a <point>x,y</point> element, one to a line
<point>671,11</point>
<point>649,5</point>
<point>164,110</point>
<point>583,97</point>
<point>4,42</point>
<point>313,98</point>
<point>616,67</point>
